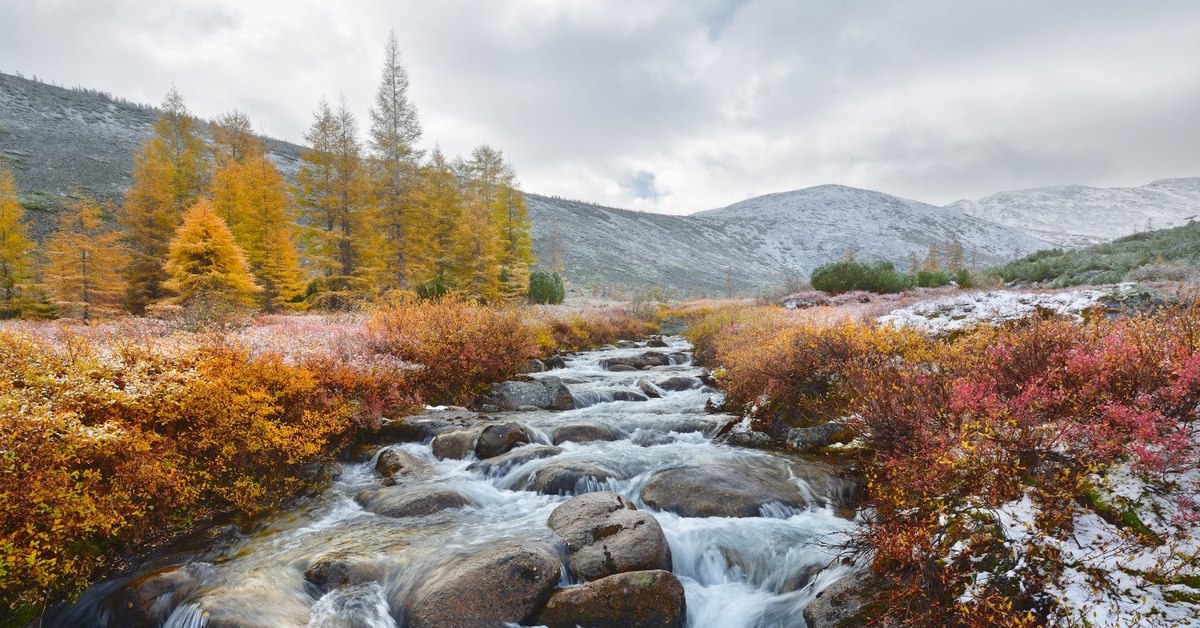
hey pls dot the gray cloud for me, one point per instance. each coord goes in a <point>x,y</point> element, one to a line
<point>718,99</point>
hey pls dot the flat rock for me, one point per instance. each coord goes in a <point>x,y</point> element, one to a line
<point>679,383</point>
<point>638,599</point>
<point>505,585</point>
<point>402,501</point>
<point>721,491</point>
<point>547,393</point>
<point>585,433</point>
<point>605,534</point>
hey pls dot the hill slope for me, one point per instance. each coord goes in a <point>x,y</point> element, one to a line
<point>1075,215</point>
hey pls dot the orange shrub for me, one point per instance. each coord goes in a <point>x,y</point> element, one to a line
<point>576,331</point>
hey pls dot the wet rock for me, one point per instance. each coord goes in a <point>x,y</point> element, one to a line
<point>556,362</point>
<point>605,535</point>
<point>720,491</point>
<point>547,393</point>
<point>336,571</point>
<point>680,358</point>
<point>812,439</point>
<point>456,444</point>
<point>393,464</point>
<point>620,368</point>
<point>840,604</point>
<point>708,378</point>
<point>644,361</point>
<point>401,501</point>
<point>500,438</point>
<point>657,342</point>
<point>254,603</point>
<point>630,600</point>
<point>516,457</point>
<point>148,600</point>
<point>648,438</point>
<point>649,389</point>
<point>421,428</point>
<point>627,395</point>
<point>751,439</point>
<point>626,344</point>
<point>679,383</point>
<point>507,585</point>
<point>585,433</point>
<point>533,365</point>
<point>567,477</point>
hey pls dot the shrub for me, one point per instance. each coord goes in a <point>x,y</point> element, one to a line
<point>546,287</point>
<point>839,277</point>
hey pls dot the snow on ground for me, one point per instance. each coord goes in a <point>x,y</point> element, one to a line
<point>967,310</point>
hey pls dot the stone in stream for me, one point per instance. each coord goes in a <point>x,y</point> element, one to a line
<point>254,603</point>
<point>812,439</point>
<point>585,433</point>
<point>401,501</point>
<point>148,600</point>
<point>649,389</point>
<point>679,383</point>
<point>622,368</point>
<point>547,393</point>
<point>841,603</point>
<point>393,464</point>
<point>657,343</point>
<point>516,457</point>
<point>505,585</point>
<point>564,477</point>
<point>721,491</point>
<point>605,534</point>
<point>456,444</point>
<point>331,572</point>
<point>638,599</point>
<point>485,441</point>
<point>533,365</point>
<point>644,361</point>
<point>555,362</point>
<point>421,428</point>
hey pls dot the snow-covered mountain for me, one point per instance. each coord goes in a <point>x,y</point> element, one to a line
<point>1077,215</point>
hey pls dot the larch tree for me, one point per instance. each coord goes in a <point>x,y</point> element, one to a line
<point>84,258</point>
<point>170,173</point>
<point>493,182</point>
<point>394,132</point>
<point>204,263</point>
<point>475,246</point>
<point>438,195</point>
<point>15,246</point>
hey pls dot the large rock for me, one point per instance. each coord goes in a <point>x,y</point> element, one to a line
<point>148,600</point>
<point>456,444</point>
<point>516,457</point>
<point>423,427</point>
<point>585,433</point>
<point>639,599</point>
<point>507,585</point>
<point>393,464</point>
<point>254,602</point>
<point>533,365</point>
<point>621,368</point>
<point>719,491</point>
<point>841,603</point>
<point>605,535</point>
<point>556,362</point>
<point>547,393</point>
<point>649,389</point>
<point>331,572</point>
<point>644,361</point>
<point>657,343</point>
<point>401,501</point>
<point>567,477</point>
<point>812,439</point>
<point>679,382</point>
<point>500,438</point>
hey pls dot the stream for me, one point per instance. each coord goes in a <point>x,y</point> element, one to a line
<point>748,571</point>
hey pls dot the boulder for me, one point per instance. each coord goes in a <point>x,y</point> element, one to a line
<point>547,393</point>
<point>516,457</point>
<point>620,368</point>
<point>639,599</point>
<point>585,433</point>
<point>605,535</point>
<point>254,602</point>
<point>401,501</point>
<point>841,603</point>
<point>748,438</point>
<point>502,586</point>
<point>393,464</point>
<point>680,358</point>
<point>148,600</point>
<point>335,571</point>
<point>626,344</point>
<point>555,362</point>
<point>720,491</point>
<point>421,428</point>
<point>649,389</point>
<point>657,343</point>
<point>533,365</point>
<point>627,395</point>
<point>500,438</point>
<point>812,439</point>
<point>644,361</point>
<point>567,477</point>
<point>678,383</point>
<point>456,444</point>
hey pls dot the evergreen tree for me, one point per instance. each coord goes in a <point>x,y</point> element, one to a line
<point>394,131</point>
<point>204,262</point>
<point>14,245</point>
<point>170,173</point>
<point>83,263</point>
<point>493,184</point>
<point>546,287</point>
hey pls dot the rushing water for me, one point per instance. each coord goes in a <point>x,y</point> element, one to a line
<point>753,571</point>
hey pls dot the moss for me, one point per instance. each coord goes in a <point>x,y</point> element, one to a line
<point>1125,518</point>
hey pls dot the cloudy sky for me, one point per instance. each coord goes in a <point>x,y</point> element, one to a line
<point>685,105</point>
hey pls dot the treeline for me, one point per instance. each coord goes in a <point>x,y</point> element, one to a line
<point>210,222</point>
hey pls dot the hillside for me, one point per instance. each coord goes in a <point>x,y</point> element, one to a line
<point>1161,255</point>
<point>1077,215</point>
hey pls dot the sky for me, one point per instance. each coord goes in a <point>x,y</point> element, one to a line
<point>686,105</point>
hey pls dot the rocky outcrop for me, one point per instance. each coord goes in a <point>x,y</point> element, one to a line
<point>547,393</point>
<point>585,433</point>
<point>639,599</point>
<point>716,491</point>
<point>605,534</point>
<point>339,570</point>
<point>516,457</point>
<point>401,501</point>
<point>506,585</point>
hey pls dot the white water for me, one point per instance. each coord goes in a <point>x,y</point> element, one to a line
<point>746,572</point>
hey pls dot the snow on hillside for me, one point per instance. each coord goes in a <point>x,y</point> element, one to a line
<point>809,227</point>
<point>1077,215</point>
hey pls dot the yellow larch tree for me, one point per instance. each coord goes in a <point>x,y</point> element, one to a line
<point>438,196</point>
<point>493,182</point>
<point>84,258</point>
<point>170,173</point>
<point>15,246</point>
<point>475,246</point>
<point>205,263</point>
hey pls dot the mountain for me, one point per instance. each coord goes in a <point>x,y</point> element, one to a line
<point>57,138</point>
<point>1077,215</point>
